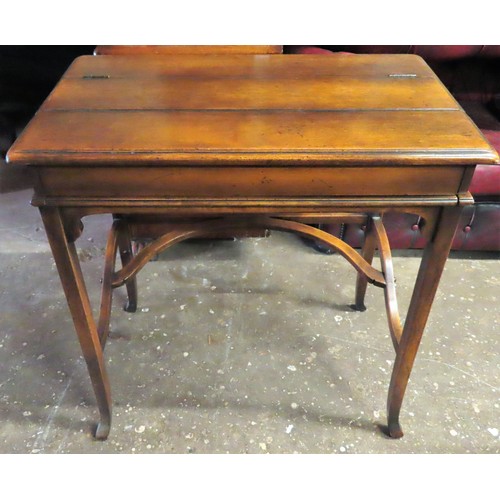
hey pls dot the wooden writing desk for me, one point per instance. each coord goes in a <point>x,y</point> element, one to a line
<point>181,146</point>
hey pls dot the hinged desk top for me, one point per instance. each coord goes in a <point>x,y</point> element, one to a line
<point>251,109</point>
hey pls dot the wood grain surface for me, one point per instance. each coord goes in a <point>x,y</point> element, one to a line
<point>249,140</point>
<point>261,109</point>
<point>186,49</point>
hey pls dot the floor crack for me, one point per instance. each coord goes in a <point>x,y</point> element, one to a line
<point>461,371</point>
<point>42,438</point>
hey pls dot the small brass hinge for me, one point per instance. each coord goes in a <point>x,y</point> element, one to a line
<point>402,75</point>
<point>95,77</point>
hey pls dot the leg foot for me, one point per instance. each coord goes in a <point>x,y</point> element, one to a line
<point>102,431</point>
<point>358,307</point>
<point>130,306</point>
<point>394,430</point>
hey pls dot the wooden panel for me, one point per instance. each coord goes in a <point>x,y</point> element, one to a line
<point>319,93</point>
<point>279,109</point>
<point>372,137</point>
<point>208,182</point>
<point>186,49</point>
<point>256,67</point>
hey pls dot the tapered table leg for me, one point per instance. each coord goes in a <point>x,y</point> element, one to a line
<point>70,273</point>
<point>107,288</point>
<point>429,274</point>
<point>125,247</point>
<point>367,252</point>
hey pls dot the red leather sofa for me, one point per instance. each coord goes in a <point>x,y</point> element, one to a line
<point>472,74</point>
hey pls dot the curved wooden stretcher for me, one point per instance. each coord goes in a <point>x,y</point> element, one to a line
<point>376,238</point>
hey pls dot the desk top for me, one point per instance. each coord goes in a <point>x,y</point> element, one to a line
<point>251,109</point>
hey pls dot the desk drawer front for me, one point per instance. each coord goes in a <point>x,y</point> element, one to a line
<point>213,182</point>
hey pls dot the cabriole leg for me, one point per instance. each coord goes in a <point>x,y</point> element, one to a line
<point>68,266</point>
<point>429,274</point>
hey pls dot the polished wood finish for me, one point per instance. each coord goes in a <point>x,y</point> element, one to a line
<point>257,67</point>
<point>256,181</point>
<point>426,285</point>
<point>367,252</point>
<point>195,230</point>
<point>391,303</point>
<point>311,94</point>
<point>274,111</point>
<point>68,266</point>
<point>178,147</point>
<point>254,137</point>
<point>125,246</point>
<point>163,50</point>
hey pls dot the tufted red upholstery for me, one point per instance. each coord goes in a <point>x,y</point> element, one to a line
<point>478,229</point>
<point>428,52</point>
<point>299,49</point>
<point>472,74</point>
<point>486,181</point>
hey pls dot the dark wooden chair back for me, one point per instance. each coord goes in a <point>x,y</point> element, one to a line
<point>186,49</point>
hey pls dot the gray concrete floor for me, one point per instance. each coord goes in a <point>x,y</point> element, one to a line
<point>241,347</point>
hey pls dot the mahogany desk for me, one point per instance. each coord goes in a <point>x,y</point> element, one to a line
<point>181,146</point>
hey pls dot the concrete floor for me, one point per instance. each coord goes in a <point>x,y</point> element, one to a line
<point>241,347</point>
